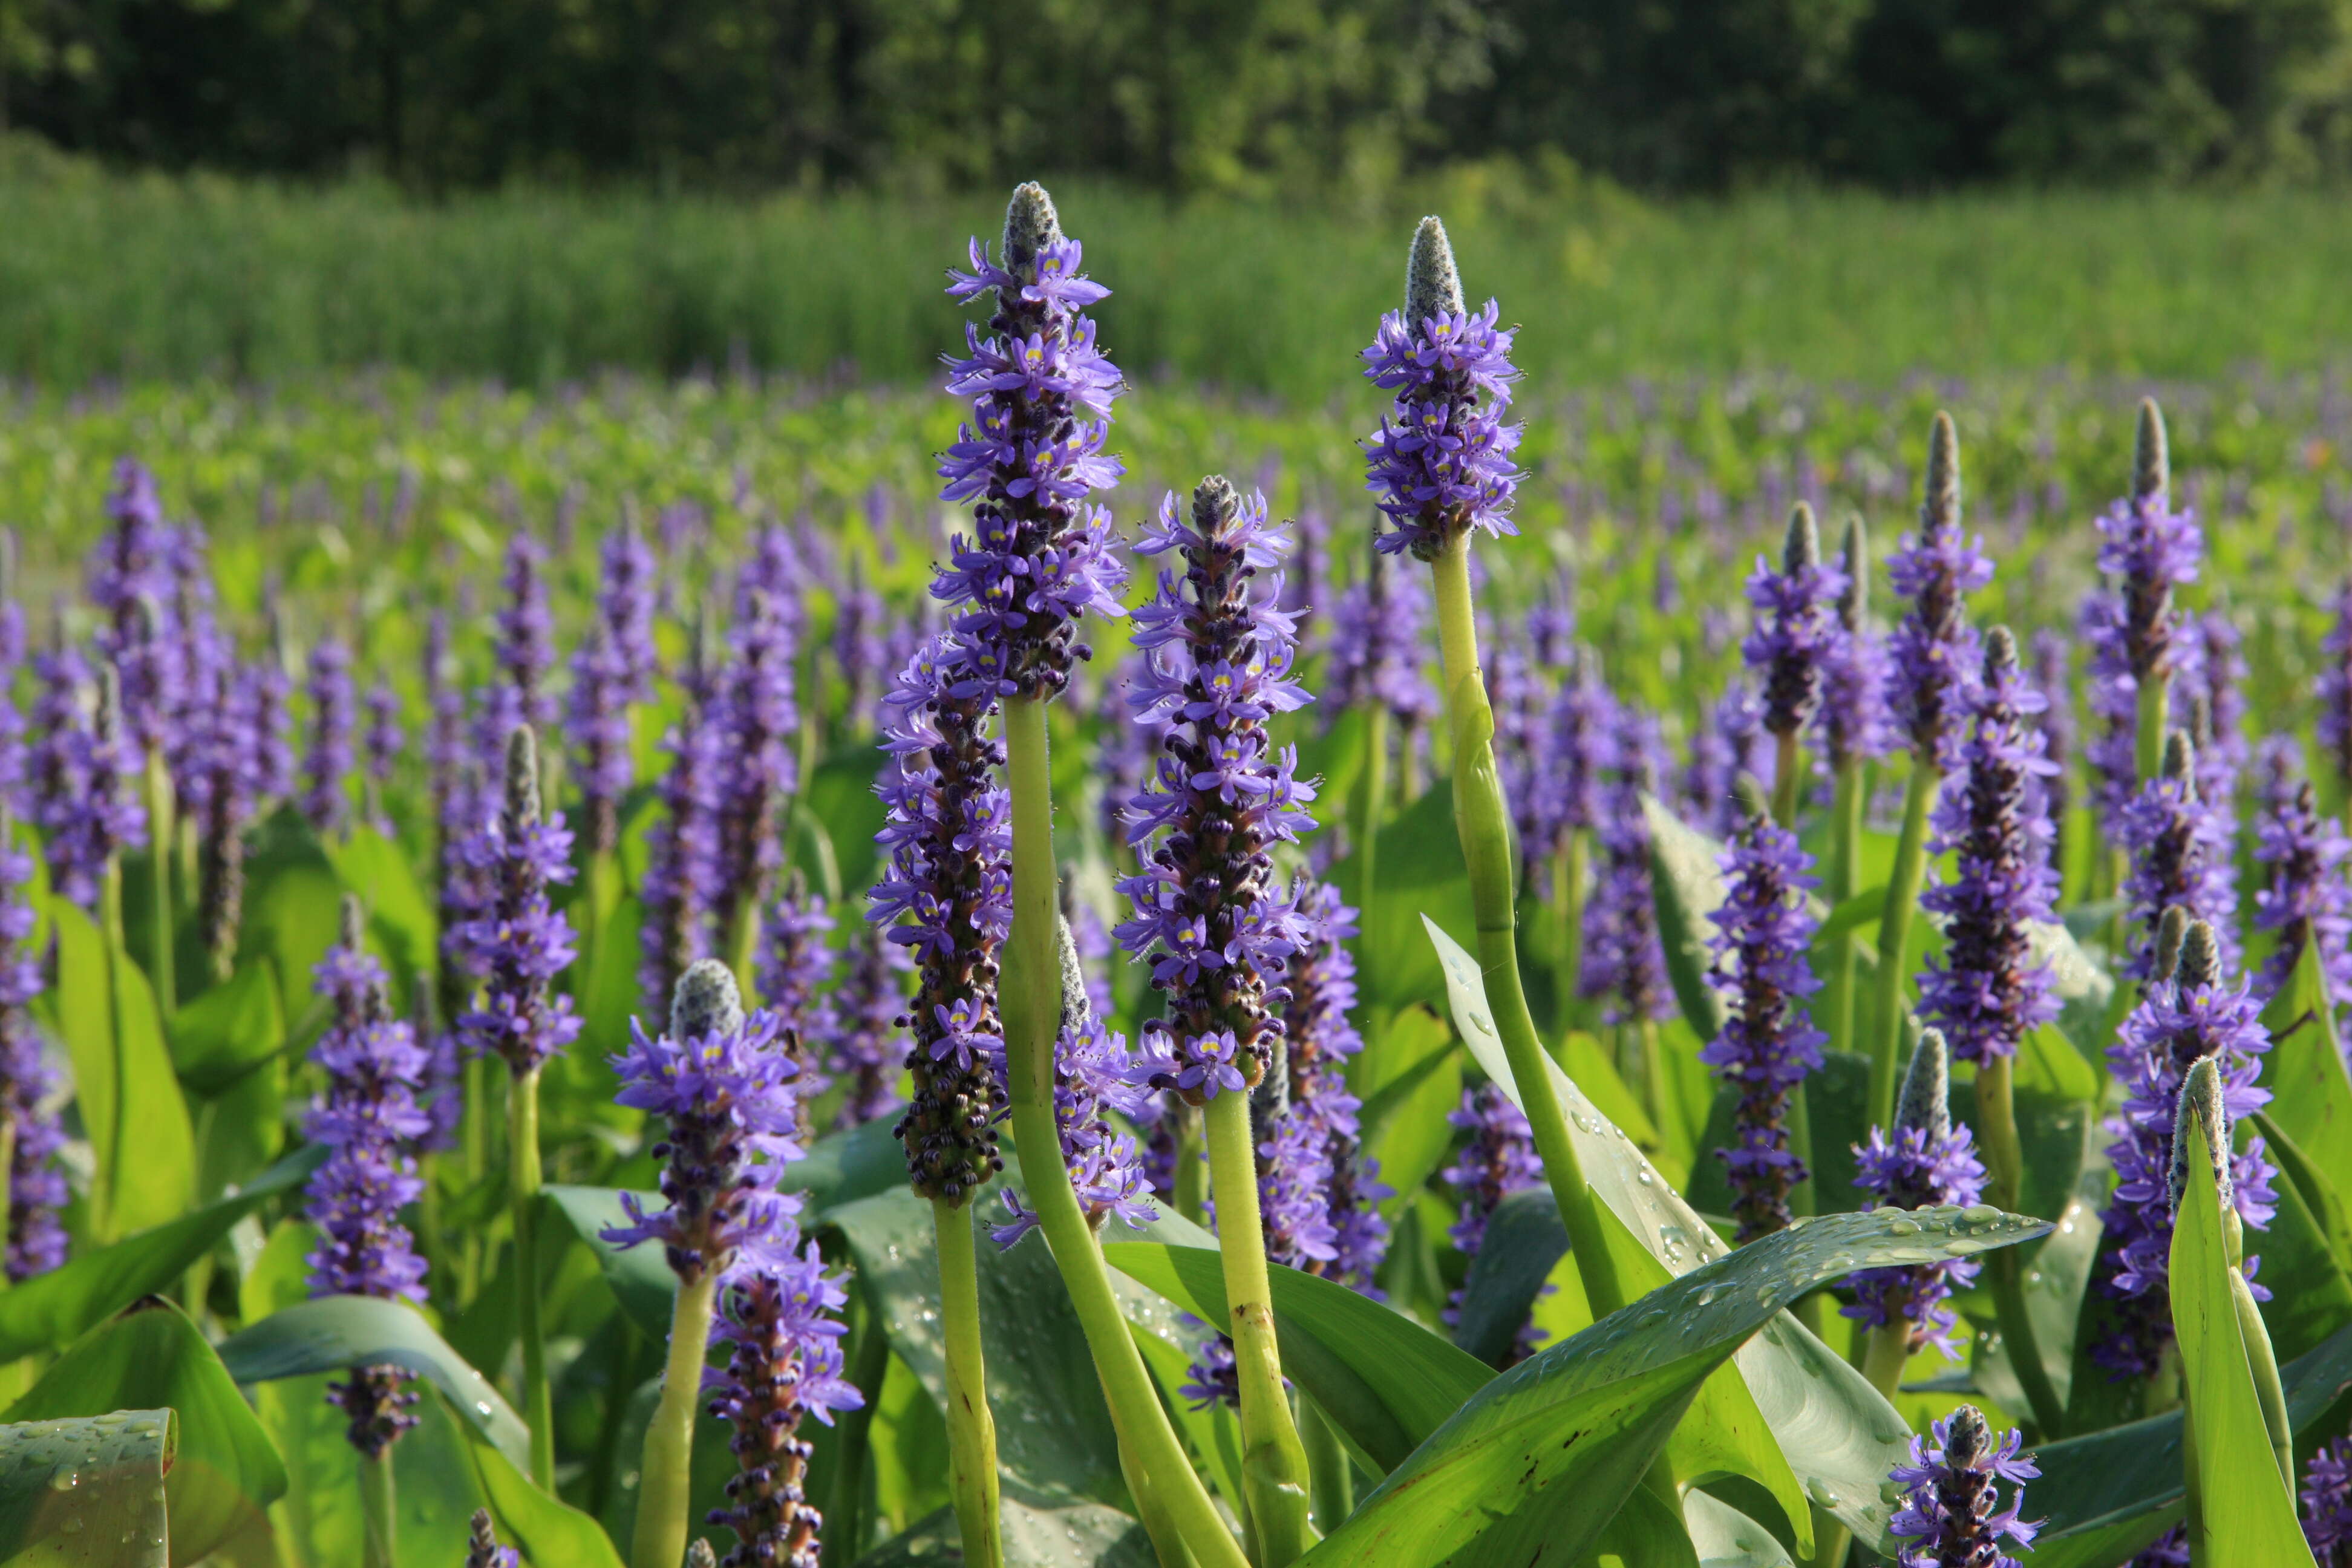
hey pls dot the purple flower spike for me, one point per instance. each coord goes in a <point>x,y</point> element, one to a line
<point>1927,1163</point>
<point>2179,854</point>
<point>1041,392</point>
<point>2187,1014</point>
<point>2334,686</point>
<point>526,642</point>
<point>862,1052</point>
<point>2146,550</point>
<point>101,815</point>
<point>682,870</point>
<point>597,724</point>
<point>221,787</point>
<point>482,1548</point>
<point>334,725</point>
<point>1988,991</point>
<point>1441,461</point>
<point>132,583</point>
<point>1951,1517</point>
<point>947,894</point>
<point>519,944</point>
<point>624,606</point>
<point>380,743</point>
<point>1498,1160</point>
<point>1797,628</point>
<point>1852,719</point>
<point>1320,1040</point>
<point>1375,652</point>
<point>1206,911</point>
<point>727,1099</point>
<point>2305,897</point>
<point>2217,708</point>
<point>1569,793</point>
<point>2052,664</point>
<point>2328,1503</point>
<point>795,962</point>
<point>761,721</point>
<point>1625,961</point>
<point>1721,750</point>
<point>36,1182</point>
<point>1934,651</point>
<point>1766,1048</point>
<point>368,1122</point>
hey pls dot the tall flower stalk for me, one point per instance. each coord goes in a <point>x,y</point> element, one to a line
<point>1797,632</point>
<point>1851,722</point>
<point>2305,900</point>
<point>36,1239</point>
<point>2146,550</point>
<point>2180,858</point>
<point>1952,1515</point>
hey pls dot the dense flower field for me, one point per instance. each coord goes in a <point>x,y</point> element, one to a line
<point>1740,972</point>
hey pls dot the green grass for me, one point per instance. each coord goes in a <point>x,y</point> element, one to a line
<point>147,277</point>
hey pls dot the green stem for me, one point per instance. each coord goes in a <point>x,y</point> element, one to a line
<point>1836,1014</point>
<point>2005,1164</point>
<point>2153,716</point>
<point>2263,1360</point>
<point>742,936</point>
<point>1787,777</point>
<point>474,1130</point>
<point>665,1485</point>
<point>158,888</point>
<point>1151,1508</point>
<point>1327,1463</point>
<point>1029,996</point>
<point>1274,1461</point>
<point>522,1164</point>
<point>972,1429</point>
<point>1568,898</point>
<point>1895,934</point>
<point>379,1529</point>
<point>1884,1355</point>
<point>107,1180</point>
<point>844,1517</point>
<point>1375,803</point>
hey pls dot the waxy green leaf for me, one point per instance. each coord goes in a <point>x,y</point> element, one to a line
<point>87,1489</point>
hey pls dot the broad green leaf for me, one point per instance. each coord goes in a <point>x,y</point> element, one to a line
<point>2311,1093</point>
<point>2311,1295</point>
<point>228,1031</point>
<point>1585,1061</point>
<point>1542,1456</point>
<point>402,921</point>
<point>1726,1538</point>
<point>1079,1535</point>
<point>1524,1239</point>
<point>293,909</point>
<point>548,1533</point>
<point>1860,914</point>
<point>336,1333</point>
<point>317,1524</point>
<point>1413,1076</point>
<point>55,1309</point>
<point>841,1167</point>
<point>1219,1453</point>
<point>2318,1193</point>
<point>2249,1512</point>
<point>2055,1285</point>
<point>67,1485</point>
<point>1687,884</point>
<point>152,1357</point>
<point>640,1277</point>
<point>1420,871</point>
<point>1645,1533</point>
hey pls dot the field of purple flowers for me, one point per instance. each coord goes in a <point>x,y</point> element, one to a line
<point>1714,972</point>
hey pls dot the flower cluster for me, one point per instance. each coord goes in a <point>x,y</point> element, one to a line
<point>758,717</point>
<point>1989,991</point>
<point>682,874</point>
<point>36,1183</point>
<point>482,1548</point>
<point>1928,1162</point>
<point>2305,897</point>
<point>2180,857</point>
<point>625,607</point>
<point>132,582</point>
<point>1951,1516</point>
<point>1320,1041</point>
<point>2146,550</point>
<point>1623,959</point>
<point>1933,651</point>
<point>2328,1503</point>
<point>519,943</point>
<point>2333,686</point>
<point>379,743</point>
<point>83,797</point>
<point>1766,1046</point>
<point>2182,1018</point>
<point>795,962</point>
<point>1441,462</point>
<point>1853,719</point>
<point>596,721</point>
<point>1374,651</point>
<point>1497,1159</point>
<point>327,759</point>
<point>220,785</point>
<point>865,1015</point>
<point>1206,911</point>
<point>1039,556</point>
<point>2217,709</point>
<point>1569,790</point>
<point>1797,628</point>
<point>1729,745</point>
<point>526,643</point>
<point>2052,664</point>
<point>947,894</point>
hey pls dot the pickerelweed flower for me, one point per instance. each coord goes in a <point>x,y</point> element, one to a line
<point>87,830</point>
<point>1853,719</point>
<point>1039,555</point>
<point>2217,680</point>
<point>1624,959</point>
<point>1797,628</point>
<point>1207,913</point>
<point>36,1183</point>
<point>380,744</point>
<point>726,1098</point>
<point>759,718</point>
<point>1499,1159</point>
<point>1767,1046</point>
<point>2327,1504</point>
<point>131,584</point>
<point>1927,1163</point>
<point>59,750</point>
<point>526,642</point>
<point>1320,1041</point>
<point>326,757</point>
<point>795,962</point>
<point>2179,854</point>
<point>1375,652</point>
<point>1441,461</point>
<point>2053,677</point>
<point>2334,686</point>
<point>368,1122</point>
<point>1933,652</point>
<point>2146,550</point>
<point>1951,1516</point>
<point>863,1051</point>
<point>860,645</point>
<point>482,1548</point>
<point>273,722</point>
<point>519,943</point>
<point>2305,897</point>
<point>2182,1018</point>
<point>596,723</point>
<point>624,606</point>
<point>947,894</point>
<point>682,872</point>
<point>1727,746</point>
<point>780,1318</point>
<point>1988,991</point>
<point>220,791</point>
<point>1568,792</point>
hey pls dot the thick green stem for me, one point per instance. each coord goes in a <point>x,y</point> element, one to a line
<point>2263,1360</point>
<point>379,1526</point>
<point>107,1180</point>
<point>1884,1355</point>
<point>1029,991</point>
<point>1895,934</point>
<point>1274,1461</point>
<point>1835,1013</point>
<point>1167,1540</point>
<point>972,1429</point>
<point>523,1165</point>
<point>2005,1164</point>
<point>159,887</point>
<point>1375,802</point>
<point>1327,1462</point>
<point>845,1516</point>
<point>666,1484</point>
<point>2147,734</point>
<point>741,951</point>
<point>1787,777</point>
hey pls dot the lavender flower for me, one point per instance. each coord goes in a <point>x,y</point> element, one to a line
<point>482,1548</point>
<point>1951,1517</point>
<point>2179,854</point>
<point>1624,959</point>
<point>1441,463</point>
<point>526,642</point>
<point>1797,629</point>
<point>625,607</point>
<point>2305,897</point>
<point>221,782</point>
<point>2146,550</point>
<point>1374,653</point>
<point>2327,1504</point>
<point>682,870</point>
<point>2052,664</point>
<point>334,723</point>
<point>1040,393</point>
<point>36,1183</point>
<point>793,969</point>
<point>1853,719</point>
<point>273,721</point>
<point>1498,1160</point>
<point>1934,651</point>
<point>1206,911</point>
<point>948,895</point>
<point>2218,700</point>
<point>129,581</point>
<point>1766,1046</point>
<point>89,828</point>
<point>1928,1163</point>
<point>859,646</point>
<point>760,717</point>
<point>380,745</point>
<point>2185,1015</point>
<point>1569,793</point>
<point>1987,991</point>
<point>2334,686</point>
<point>1720,751</point>
<point>519,944</point>
<point>597,722</point>
<point>866,1012</point>
<point>1319,1043</point>
<point>727,1099</point>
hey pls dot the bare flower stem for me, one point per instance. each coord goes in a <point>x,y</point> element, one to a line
<point>665,1493</point>
<point>971,1428</point>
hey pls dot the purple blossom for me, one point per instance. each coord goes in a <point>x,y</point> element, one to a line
<point>862,1050</point>
<point>482,1548</point>
<point>625,607</point>
<point>2146,550</point>
<point>759,720</point>
<point>2216,705</point>
<point>727,1103</point>
<point>682,871</point>
<point>1499,1159</point>
<point>273,725</point>
<point>2179,854</point>
<point>380,743</point>
<point>101,816</point>
<point>36,1182</point>
<point>1852,720</point>
<point>860,645</point>
<point>1207,914</point>
<point>2052,664</point>
<point>1320,1041</point>
<point>1573,754</point>
<point>1375,652</point>
<point>1127,753</point>
<point>518,944</point>
<point>1796,630</point>
<point>1727,745</point>
<point>596,722</point>
<point>1933,651</point>
<point>1951,1517</point>
<point>1624,959</point>
<point>795,962</point>
<point>334,724</point>
<point>131,583</point>
<point>1041,391</point>
<point>1441,461</point>
<point>2328,1503</point>
<point>2305,897</point>
<point>1928,1164</point>
<point>1987,991</point>
<point>526,639</point>
<point>1765,1046</point>
<point>2333,685</point>
<point>220,791</point>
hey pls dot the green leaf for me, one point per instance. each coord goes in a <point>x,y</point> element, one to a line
<point>548,1533</point>
<point>843,1167</point>
<point>1524,1239</point>
<point>1080,1535</point>
<point>2318,1192</point>
<point>129,1096</point>
<point>1421,870</point>
<point>152,1357</point>
<point>1645,1533</point>
<point>293,909</point>
<point>640,1277</point>
<point>55,1309</point>
<point>2055,1285</point>
<point>2248,1511</point>
<point>1856,913</point>
<point>1541,1456</point>
<point>1412,1077</point>
<point>1688,887</point>
<point>318,1524</point>
<point>841,795</point>
<point>2311,1093</point>
<point>228,1031</point>
<point>2311,1295</point>
<point>66,1487</point>
<point>333,1333</point>
<point>1582,1057</point>
<point>1726,1538</point>
<point>401,920</point>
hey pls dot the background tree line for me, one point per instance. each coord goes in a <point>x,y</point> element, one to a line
<point>1184,96</point>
